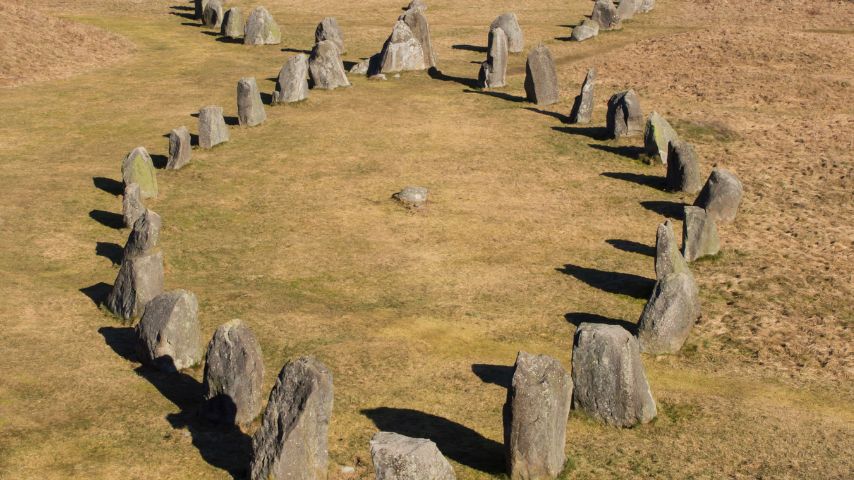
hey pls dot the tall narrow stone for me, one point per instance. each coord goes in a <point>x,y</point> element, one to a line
<point>212,16</point>
<point>292,84</point>
<point>233,23</point>
<point>699,234</point>
<point>493,72</point>
<point>417,22</point>
<point>212,128</point>
<point>180,148</point>
<point>132,207</point>
<point>396,457</point>
<point>683,168</point>
<point>325,67</point>
<point>250,109</point>
<point>669,315</point>
<point>541,84</point>
<point>137,167</point>
<point>144,236</point>
<point>402,51</point>
<point>169,336</point>
<point>668,258</point>
<point>234,374</point>
<point>582,108</point>
<point>625,117</point>
<point>657,137</point>
<point>510,24</point>
<point>605,14</point>
<point>139,280</point>
<point>261,29</point>
<point>328,29</point>
<point>721,195</point>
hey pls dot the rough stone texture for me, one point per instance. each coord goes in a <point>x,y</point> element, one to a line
<point>541,84</point>
<point>646,6</point>
<point>132,207</point>
<point>261,29</point>
<point>168,335</point>
<point>417,22</point>
<point>605,14</point>
<point>668,258</point>
<point>325,67</point>
<point>699,234</point>
<point>212,128</point>
<point>657,136</point>
<point>234,374</point>
<point>328,29</point>
<point>625,117</point>
<point>493,72</point>
<point>627,8</point>
<point>200,8</point>
<point>683,168</point>
<point>144,236</point>
<point>669,314</point>
<point>212,16</point>
<point>397,457</point>
<point>361,68</point>
<point>137,167</point>
<point>233,23</point>
<point>402,51</point>
<point>291,442</point>
<point>180,148</point>
<point>721,195</point>
<point>292,84</point>
<point>250,108</point>
<point>510,24</point>
<point>537,408</point>
<point>139,280</point>
<point>608,376</point>
<point>587,29</point>
<point>582,108</point>
<point>417,5</point>
<point>411,196</point>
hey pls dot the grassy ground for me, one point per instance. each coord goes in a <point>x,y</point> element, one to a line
<point>533,227</point>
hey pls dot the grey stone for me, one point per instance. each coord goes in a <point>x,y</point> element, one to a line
<point>139,280</point>
<point>412,196</point>
<point>582,108</point>
<point>200,8</point>
<point>585,30</point>
<point>625,117</point>
<point>417,5</point>
<point>378,77</point>
<point>541,84</point>
<point>669,314</point>
<point>325,67</point>
<point>361,68</point>
<point>261,29</point>
<point>292,440</point>
<point>132,207</point>
<point>144,236</point>
<point>234,374</point>
<point>402,51</point>
<point>626,9</point>
<point>668,258</point>
<point>168,335</point>
<point>510,24</point>
<point>683,168</point>
<point>233,23</point>
<point>328,29</point>
<point>212,16</point>
<point>699,234</point>
<point>493,72</point>
<point>657,136</point>
<point>212,128</point>
<point>646,6</point>
<point>536,412</point>
<point>605,14</point>
<point>292,84</point>
<point>250,109</point>
<point>397,457</point>
<point>721,195</point>
<point>137,167</point>
<point>417,22</point>
<point>180,148</point>
<point>608,376</point>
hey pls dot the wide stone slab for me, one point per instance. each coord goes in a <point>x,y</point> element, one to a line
<point>138,168</point>
<point>721,195</point>
<point>397,457</point>
<point>541,85</point>
<point>168,335</point>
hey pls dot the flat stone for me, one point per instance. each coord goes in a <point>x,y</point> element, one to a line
<point>605,14</point>
<point>417,22</point>
<point>721,195</point>
<point>683,168</point>
<point>510,24</point>
<point>541,85</point>
<point>402,51</point>
<point>234,375</point>
<point>212,16</point>
<point>657,136</point>
<point>212,127</point>
<point>412,196</point>
<point>292,84</point>
<point>585,30</point>
<point>699,234</point>
<point>144,236</point>
<point>582,107</point>
<point>261,29</point>
<point>669,315</point>
<point>180,148</point>
<point>668,258</point>
<point>169,336</point>
<point>325,67</point>
<point>233,23</point>
<point>625,117</point>
<point>250,108</point>
<point>132,207</point>
<point>493,72</point>
<point>138,168</point>
<point>140,279</point>
<point>328,29</point>
<point>397,457</point>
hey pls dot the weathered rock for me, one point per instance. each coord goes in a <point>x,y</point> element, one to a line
<point>144,236</point>
<point>417,5</point>
<point>261,29</point>
<point>646,6</point>
<point>292,440</point>
<point>233,23</point>
<point>625,117</point>
<point>668,258</point>
<point>608,376</point>
<point>139,280</point>
<point>168,335</point>
<point>132,207</point>
<point>582,108</point>
<point>721,195</point>
<point>137,167</point>
<point>413,197</point>
<point>510,24</point>
<point>585,30</point>
<point>626,9</point>
<point>397,457</point>
<point>292,84</point>
<point>361,68</point>
<point>417,22</point>
<point>234,374</point>
<point>325,67</point>
<point>402,51</point>
<point>200,8</point>
<point>212,16</point>
<point>699,234</point>
<point>212,128</point>
<point>605,14</point>
<point>328,29</point>
<point>250,108</point>
<point>669,314</point>
<point>541,84</point>
<point>180,148</point>
<point>657,136</point>
<point>537,408</point>
<point>493,72</point>
<point>683,168</point>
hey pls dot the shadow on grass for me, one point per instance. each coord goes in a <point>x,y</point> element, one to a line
<point>97,293</point>
<point>231,121</point>
<point>563,118</point>
<point>631,247</point>
<point>611,282</point>
<point>159,161</point>
<point>628,151</point>
<point>470,48</point>
<point>113,187</point>
<point>501,95</point>
<point>654,181</point>
<point>224,39</point>
<point>296,50</point>
<point>674,210</point>
<point>108,219</point>
<point>577,318</point>
<point>111,251</point>
<point>596,133</point>
<point>501,375</point>
<point>437,74</point>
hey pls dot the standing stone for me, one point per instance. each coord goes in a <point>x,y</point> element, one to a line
<point>582,108</point>
<point>683,169</point>
<point>292,440</point>
<point>537,408</point>
<point>541,84</point>
<point>250,109</point>
<point>292,84</point>
<point>605,14</point>
<point>668,258</point>
<point>412,197</point>
<point>699,234</point>
<point>402,51</point>
<point>212,128</point>
<point>168,335</point>
<point>132,207</point>
<point>625,117</point>
<point>139,280</point>
<point>144,236</point>
<point>234,374</point>
<point>626,9</point>
<point>493,72</point>
<point>325,67</point>
<point>232,23</point>
<point>657,136</point>
<point>200,8</point>
<point>328,29</point>
<point>180,148</point>
<point>417,5</point>
<point>646,6</point>
<point>587,29</point>
<point>721,195</point>
<point>510,24</point>
<point>137,167</point>
<point>669,314</point>
<point>608,376</point>
<point>417,22</point>
<point>261,29</point>
<point>397,457</point>
<point>212,16</point>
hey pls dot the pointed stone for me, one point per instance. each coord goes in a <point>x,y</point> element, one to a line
<point>402,51</point>
<point>669,315</point>
<point>137,167</point>
<point>144,236</point>
<point>396,457</point>
<point>180,148</point>
<point>169,336</point>
<point>417,22</point>
<point>328,29</point>
<point>626,9</point>
<point>261,29</point>
<point>721,195</point>
<point>212,16</point>
<point>625,117</point>
<point>582,108</point>
<point>541,84</point>
<point>605,14</point>
<point>417,5</point>
<point>233,23</point>
<point>699,234</point>
<point>493,72</point>
<point>510,24</point>
<point>292,84</point>
<point>250,109</point>
<point>668,258</point>
<point>657,136</point>
<point>683,168</point>
<point>212,128</point>
<point>140,279</point>
<point>234,374</point>
<point>325,67</point>
<point>587,29</point>
<point>132,207</point>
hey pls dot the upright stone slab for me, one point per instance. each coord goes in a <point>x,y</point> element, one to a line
<point>626,9</point>
<point>212,16</point>
<point>510,24</point>
<point>537,408</point>
<point>233,23</point>
<point>132,207</point>
<point>721,195</point>
<point>261,29</point>
<point>417,22</point>
<point>582,108</point>
<point>608,376</point>
<point>144,236</point>
<point>683,168</point>
<point>397,457</point>
<point>585,30</point>
<point>137,167</point>
<point>657,137</point>
<point>402,51</point>
<point>541,84</point>
<point>200,8</point>
<point>668,258</point>
<point>180,148</point>
<point>328,29</point>
<point>292,84</point>
<point>325,67</point>
<point>625,117</point>
<point>139,280</point>
<point>292,440</point>
<point>250,109</point>
<point>646,6</point>
<point>169,336</point>
<point>699,234</point>
<point>669,314</point>
<point>234,374</point>
<point>212,128</point>
<point>493,72</point>
<point>605,14</point>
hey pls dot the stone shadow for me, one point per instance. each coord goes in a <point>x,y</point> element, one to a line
<point>296,50</point>
<point>159,161</point>
<point>674,210</point>
<point>596,133</point>
<point>113,187</point>
<point>655,181</point>
<point>628,151</point>
<point>501,95</point>
<point>108,219</point>
<point>563,118</point>
<point>612,282</point>
<point>470,48</point>
<point>577,318</point>
<point>631,247</point>
<point>501,375</point>
<point>437,74</point>
<point>111,251</point>
<point>98,292</point>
